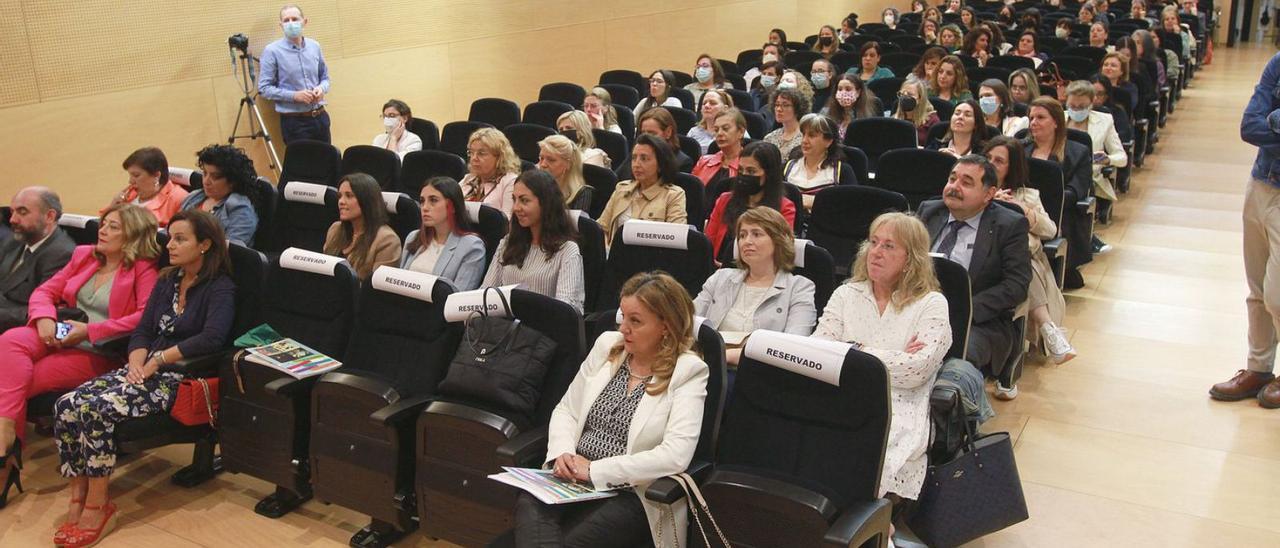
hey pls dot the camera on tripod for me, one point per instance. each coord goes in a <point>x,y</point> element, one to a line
<point>239,41</point>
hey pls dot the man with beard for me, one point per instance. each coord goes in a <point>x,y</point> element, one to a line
<point>37,251</point>
<point>990,241</point>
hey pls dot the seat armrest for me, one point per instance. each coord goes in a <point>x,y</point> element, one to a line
<point>1056,247</point>
<point>115,345</point>
<point>472,414</point>
<point>776,489</point>
<point>859,523</point>
<point>1087,205</point>
<point>400,410</point>
<point>288,387</point>
<point>668,491</point>
<point>370,385</point>
<point>199,366</point>
<point>524,448</point>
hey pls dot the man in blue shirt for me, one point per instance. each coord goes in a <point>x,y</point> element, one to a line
<point>1260,127</point>
<point>294,75</point>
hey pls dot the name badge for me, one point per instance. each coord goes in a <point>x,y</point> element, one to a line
<point>309,261</point>
<point>463,304</point>
<point>415,285</point>
<point>817,359</point>
<point>311,193</point>
<point>655,234</point>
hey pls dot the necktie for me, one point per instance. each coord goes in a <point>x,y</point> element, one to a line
<point>949,241</point>
<point>26,254</point>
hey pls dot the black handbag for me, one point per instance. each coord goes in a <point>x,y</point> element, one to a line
<point>975,494</point>
<point>500,361</point>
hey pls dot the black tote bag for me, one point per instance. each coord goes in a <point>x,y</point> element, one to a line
<point>500,361</point>
<point>975,494</point>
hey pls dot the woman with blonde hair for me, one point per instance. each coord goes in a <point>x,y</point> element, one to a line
<point>492,167</point>
<point>598,105</point>
<point>647,377</point>
<point>1024,86</point>
<point>713,102</point>
<point>892,309</point>
<point>563,160</point>
<point>828,42</point>
<point>577,127</point>
<point>914,106</point>
<point>761,292</point>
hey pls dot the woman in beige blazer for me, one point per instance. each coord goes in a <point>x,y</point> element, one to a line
<point>631,416</point>
<point>361,235</point>
<point>651,196</point>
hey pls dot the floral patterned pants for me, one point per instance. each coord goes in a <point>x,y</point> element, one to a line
<point>87,418</point>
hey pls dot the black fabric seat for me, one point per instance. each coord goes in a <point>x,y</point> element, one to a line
<point>524,139</point>
<point>631,78</point>
<point>299,221</point>
<point>825,490</point>
<point>377,162</point>
<point>691,267</point>
<point>614,145</point>
<point>421,165</point>
<point>591,246</point>
<point>265,201</point>
<point>817,264</point>
<point>491,225</point>
<point>427,131</point>
<point>456,500</point>
<point>403,213</point>
<point>455,135</point>
<point>622,95</point>
<point>603,181</point>
<point>312,162</point>
<point>83,229</point>
<point>917,174</point>
<point>841,219</point>
<point>545,113</point>
<point>1046,177</point>
<point>875,136</point>
<point>901,63</point>
<point>565,92</point>
<point>695,206</point>
<point>857,159</point>
<point>685,119</point>
<point>363,415</point>
<point>1011,62</point>
<point>265,427</point>
<point>494,111</point>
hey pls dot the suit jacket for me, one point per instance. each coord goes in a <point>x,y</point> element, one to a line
<point>16,288</point>
<point>461,261</point>
<point>1000,269</point>
<point>129,293</point>
<point>788,306</point>
<point>661,439</point>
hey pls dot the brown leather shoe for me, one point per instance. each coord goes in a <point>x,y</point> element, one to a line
<point>1246,384</point>
<point>1269,396</point>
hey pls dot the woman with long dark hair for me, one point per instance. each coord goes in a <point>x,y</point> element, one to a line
<point>361,234</point>
<point>758,182</point>
<point>540,251</point>
<point>820,163</point>
<point>445,245</point>
<point>852,100</point>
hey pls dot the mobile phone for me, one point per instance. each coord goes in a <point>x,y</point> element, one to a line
<point>62,331</point>
<point>1098,156</point>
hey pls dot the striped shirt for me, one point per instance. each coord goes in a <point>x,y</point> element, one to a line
<point>558,275</point>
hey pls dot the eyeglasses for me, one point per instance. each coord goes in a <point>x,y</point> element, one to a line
<point>477,153</point>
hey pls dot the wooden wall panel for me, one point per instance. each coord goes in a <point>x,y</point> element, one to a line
<point>157,72</point>
<point>17,73</point>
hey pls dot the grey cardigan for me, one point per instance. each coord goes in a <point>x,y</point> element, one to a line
<point>788,306</point>
<point>461,261</point>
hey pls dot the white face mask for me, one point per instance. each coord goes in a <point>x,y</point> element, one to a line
<point>390,123</point>
<point>768,58</point>
<point>1061,32</point>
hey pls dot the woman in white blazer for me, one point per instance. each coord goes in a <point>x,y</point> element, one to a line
<point>761,293</point>
<point>631,416</point>
<point>444,246</point>
<point>1101,127</point>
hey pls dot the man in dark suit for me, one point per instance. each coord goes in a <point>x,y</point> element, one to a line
<point>37,251</point>
<point>990,241</point>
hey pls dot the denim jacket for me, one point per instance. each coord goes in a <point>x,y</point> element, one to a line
<point>1260,125</point>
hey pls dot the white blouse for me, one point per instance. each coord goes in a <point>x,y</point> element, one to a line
<point>852,316</point>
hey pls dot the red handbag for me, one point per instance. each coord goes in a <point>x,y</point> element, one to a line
<point>196,403</point>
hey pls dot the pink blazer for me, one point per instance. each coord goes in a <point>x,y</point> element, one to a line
<point>129,293</point>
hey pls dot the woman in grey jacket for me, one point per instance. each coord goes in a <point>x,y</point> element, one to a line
<point>445,246</point>
<point>761,293</point>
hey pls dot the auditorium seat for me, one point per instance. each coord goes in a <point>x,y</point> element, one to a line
<point>427,131</point>
<point>545,113</point>
<point>265,203</point>
<point>816,264</point>
<point>312,162</point>
<point>875,136</point>
<point>614,145</point>
<point>455,135</point>
<point>565,92</point>
<point>304,214</point>
<point>917,174</point>
<point>591,246</point>
<point>421,166</point>
<point>1046,177</point>
<point>635,80</point>
<point>946,411</point>
<point>495,112</point>
<point>603,182</point>
<point>641,246</point>
<point>404,215</point>
<point>695,204</point>
<point>377,162</point>
<point>623,95</point>
<point>857,159</point>
<point>83,229</point>
<point>524,139</point>
<point>490,224</point>
<point>841,219</point>
<point>685,120</point>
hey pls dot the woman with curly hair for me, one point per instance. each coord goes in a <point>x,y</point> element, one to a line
<point>227,193</point>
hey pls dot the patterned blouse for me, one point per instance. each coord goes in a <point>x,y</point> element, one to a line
<point>609,421</point>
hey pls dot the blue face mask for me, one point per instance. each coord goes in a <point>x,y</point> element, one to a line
<point>703,74</point>
<point>820,80</point>
<point>1078,115</point>
<point>768,81</point>
<point>293,29</point>
<point>989,105</point>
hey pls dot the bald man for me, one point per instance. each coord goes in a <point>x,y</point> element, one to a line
<point>36,251</point>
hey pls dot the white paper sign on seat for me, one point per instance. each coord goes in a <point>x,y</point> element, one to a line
<point>817,359</point>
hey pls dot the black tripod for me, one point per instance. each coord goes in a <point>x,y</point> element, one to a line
<point>247,72</point>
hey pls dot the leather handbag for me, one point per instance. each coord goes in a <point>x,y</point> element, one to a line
<point>500,361</point>
<point>975,494</point>
<point>196,402</point>
<point>698,510</point>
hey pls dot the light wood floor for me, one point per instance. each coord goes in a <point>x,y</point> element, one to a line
<point>1120,447</point>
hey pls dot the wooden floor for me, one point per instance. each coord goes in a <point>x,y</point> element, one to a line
<point>1120,447</point>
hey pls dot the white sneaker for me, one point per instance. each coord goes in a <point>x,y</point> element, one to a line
<point>1006,394</point>
<point>1055,342</point>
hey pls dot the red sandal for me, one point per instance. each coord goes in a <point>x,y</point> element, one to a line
<point>78,537</point>
<point>64,530</point>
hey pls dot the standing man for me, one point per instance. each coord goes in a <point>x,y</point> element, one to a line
<point>1260,127</point>
<point>296,78</point>
<point>38,250</point>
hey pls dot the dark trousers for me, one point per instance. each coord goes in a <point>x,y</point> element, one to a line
<point>316,128</point>
<point>616,521</point>
<point>990,344</point>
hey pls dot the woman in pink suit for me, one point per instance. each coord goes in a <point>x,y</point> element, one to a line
<point>110,281</point>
